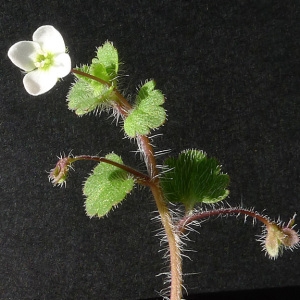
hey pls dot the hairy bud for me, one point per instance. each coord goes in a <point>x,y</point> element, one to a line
<point>278,237</point>
<point>59,174</point>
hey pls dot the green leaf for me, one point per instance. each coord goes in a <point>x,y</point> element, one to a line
<point>147,113</point>
<point>106,187</point>
<point>88,94</point>
<point>106,65</point>
<point>193,178</point>
<point>85,97</point>
<point>108,56</point>
<point>98,70</point>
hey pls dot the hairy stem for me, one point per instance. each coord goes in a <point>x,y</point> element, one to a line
<point>217,212</point>
<point>175,255</point>
<point>123,107</point>
<point>140,177</point>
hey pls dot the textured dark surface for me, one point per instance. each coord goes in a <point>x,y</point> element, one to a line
<point>230,73</point>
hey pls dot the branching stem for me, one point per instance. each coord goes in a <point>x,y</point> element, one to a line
<point>123,107</point>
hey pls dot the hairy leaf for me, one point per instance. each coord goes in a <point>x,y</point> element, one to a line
<point>147,113</point>
<point>193,178</point>
<point>106,187</point>
<point>87,94</point>
<point>108,56</point>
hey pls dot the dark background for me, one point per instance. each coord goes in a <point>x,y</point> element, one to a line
<point>230,73</point>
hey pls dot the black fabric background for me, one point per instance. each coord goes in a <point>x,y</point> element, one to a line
<point>230,73</point>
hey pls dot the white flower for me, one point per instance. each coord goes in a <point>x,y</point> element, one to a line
<point>44,59</point>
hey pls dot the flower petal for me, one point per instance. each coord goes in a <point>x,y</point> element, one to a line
<point>49,39</point>
<point>62,65</point>
<point>23,54</point>
<point>39,82</point>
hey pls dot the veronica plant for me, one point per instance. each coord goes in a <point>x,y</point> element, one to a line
<point>192,180</point>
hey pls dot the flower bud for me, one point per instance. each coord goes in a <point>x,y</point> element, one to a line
<point>273,240</point>
<point>59,174</point>
<point>291,238</point>
<point>278,237</point>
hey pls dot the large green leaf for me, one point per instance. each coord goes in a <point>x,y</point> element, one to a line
<point>147,113</point>
<point>106,187</point>
<point>193,178</point>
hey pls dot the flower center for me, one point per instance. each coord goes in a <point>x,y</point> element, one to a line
<point>44,61</point>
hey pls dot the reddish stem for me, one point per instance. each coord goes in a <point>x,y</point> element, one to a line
<point>216,212</point>
<point>123,105</point>
<point>140,177</point>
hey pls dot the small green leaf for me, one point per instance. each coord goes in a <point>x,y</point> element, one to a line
<point>98,70</point>
<point>106,187</point>
<point>147,113</point>
<point>88,94</point>
<point>193,178</point>
<point>83,97</point>
<point>108,56</point>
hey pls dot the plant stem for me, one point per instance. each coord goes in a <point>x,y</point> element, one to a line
<point>217,212</point>
<point>140,177</point>
<point>123,107</point>
<point>174,250</point>
<point>172,237</point>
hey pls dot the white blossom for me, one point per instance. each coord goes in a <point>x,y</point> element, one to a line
<point>44,59</point>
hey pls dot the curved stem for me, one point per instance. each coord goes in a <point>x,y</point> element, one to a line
<point>124,104</point>
<point>140,177</point>
<point>87,75</point>
<point>217,212</point>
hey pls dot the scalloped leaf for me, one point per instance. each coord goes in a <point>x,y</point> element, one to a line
<point>87,94</point>
<point>193,178</point>
<point>106,187</point>
<point>108,56</point>
<point>85,97</point>
<point>147,113</point>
